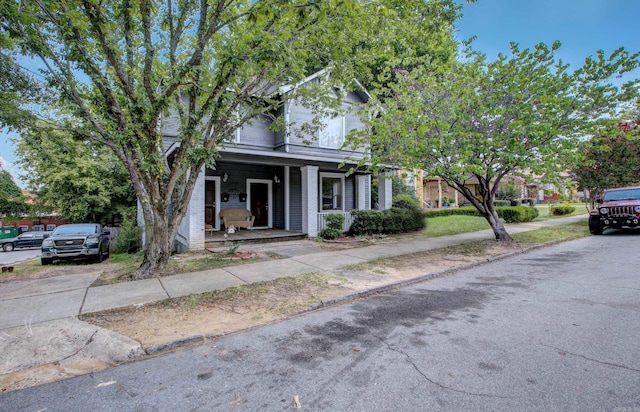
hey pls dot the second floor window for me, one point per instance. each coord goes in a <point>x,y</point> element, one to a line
<point>332,135</point>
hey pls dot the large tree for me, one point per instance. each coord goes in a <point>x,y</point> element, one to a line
<point>79,179</point>
<point>18,89</point>
<point>123,67</point>
<point>611,160</point>
<point>12,201</point>
<point>481,120</point>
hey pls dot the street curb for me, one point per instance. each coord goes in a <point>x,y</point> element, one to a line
<point>201,339</point>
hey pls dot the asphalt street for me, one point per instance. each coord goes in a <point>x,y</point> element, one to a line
<point>554,329</point>
<point>18,255</point>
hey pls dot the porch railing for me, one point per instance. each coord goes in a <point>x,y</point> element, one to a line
<point>322,222</point>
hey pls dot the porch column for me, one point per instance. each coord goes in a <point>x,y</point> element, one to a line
<point>192,226</point>
<point>287,198</point>
<point>310,200</point>
<point>363,191</point>
<point>384,192</point>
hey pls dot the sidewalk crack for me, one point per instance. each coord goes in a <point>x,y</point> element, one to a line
<point>615,365</point>
<point>433,382</point>
<point>82,348</point>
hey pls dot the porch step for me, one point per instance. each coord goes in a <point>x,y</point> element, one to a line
<point>253,236</point>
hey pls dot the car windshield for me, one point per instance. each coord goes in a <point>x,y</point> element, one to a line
<point>76,229</point>
<point>626,194</point>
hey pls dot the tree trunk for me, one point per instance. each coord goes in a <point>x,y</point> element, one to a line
<point>498,228</point>
<point>157,250</point>
<point>158,241</point>
<point>485,205</point>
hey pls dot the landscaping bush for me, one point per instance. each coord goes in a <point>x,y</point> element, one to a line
<point>329,234</point>
<point>129,238</point>
<point>561,209</point>
<point>466,210</point>
<point>405,201</point>
<point>517,214</point>
<point>394,220</point>
<point>510,214</point>
<point>335,222</point>
<point>499,203</point>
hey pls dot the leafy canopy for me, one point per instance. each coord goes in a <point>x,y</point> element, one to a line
<point>12,201</point>
<point>611,160</point>
<point>80,180</point>
<point>478,121</point>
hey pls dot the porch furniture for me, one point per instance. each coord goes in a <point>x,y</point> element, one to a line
<point>237,217</point>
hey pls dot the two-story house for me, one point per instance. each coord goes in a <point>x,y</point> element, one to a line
<point>287,181</point>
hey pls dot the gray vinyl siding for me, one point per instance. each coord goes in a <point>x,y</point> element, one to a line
<point>295,199</point>
<point>256,134</point>
<point>279,134</point>
<point>309,145</point>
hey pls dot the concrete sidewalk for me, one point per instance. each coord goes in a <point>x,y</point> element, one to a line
<point>41,300</point>
<point>49,307</point>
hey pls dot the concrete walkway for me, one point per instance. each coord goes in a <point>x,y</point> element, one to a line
<point>39,322</point>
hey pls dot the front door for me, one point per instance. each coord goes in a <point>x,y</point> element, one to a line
<point>211,200</point>
<point>259,199</point>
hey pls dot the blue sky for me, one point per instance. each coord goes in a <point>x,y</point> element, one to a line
<point>582,26</point>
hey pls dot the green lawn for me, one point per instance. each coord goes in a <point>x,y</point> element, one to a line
<point>581,209</point>
<point>453,225</point>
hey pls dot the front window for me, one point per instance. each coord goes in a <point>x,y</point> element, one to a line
<point>332,195</point>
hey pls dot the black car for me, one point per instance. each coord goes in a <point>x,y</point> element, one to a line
<point>80,240</point>
<point>24,240</point>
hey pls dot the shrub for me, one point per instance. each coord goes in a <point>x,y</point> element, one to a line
<point>498,203</point>
<point>406,201</point>
<point>508,191</point>
<point>466,210</point>
<point>561,209</point>
<point>517,214</point>
<point>335,222</point>
<point>394,220</point>
<point>129,239</point>
<point>510,214</point>
<point>329,234</point>
<point>366,222</point>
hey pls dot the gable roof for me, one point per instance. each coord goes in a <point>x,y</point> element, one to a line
<point>361,91</point>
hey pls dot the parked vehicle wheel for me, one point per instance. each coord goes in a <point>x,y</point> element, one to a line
<point>99,257</point>
<point>7,247</point>
<point>45,261</point>
<point>595,228</point>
